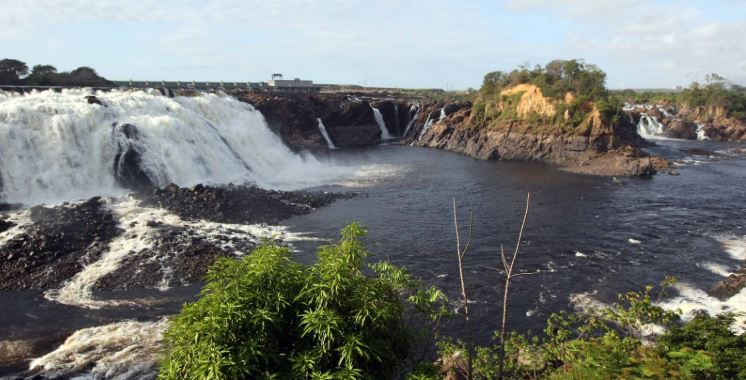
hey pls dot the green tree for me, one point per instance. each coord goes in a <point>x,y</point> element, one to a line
<point>11,71</point>
<point>265,316</point>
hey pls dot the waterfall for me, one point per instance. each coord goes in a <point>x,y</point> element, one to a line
<point>396,116</point>
<point>412,120</point>
<point>381,124</point>
<point>431,121</point>
<point>322,129</point>
<point>56,146</point>
<point>701,132</point>
<point>649,127</point>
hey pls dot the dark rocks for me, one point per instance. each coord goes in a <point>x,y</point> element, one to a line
<point>390,114</point>
<point>234,204</point>
<point>5,224</point>
<point>57,245</point>
<point>680,129</point>
<point>730,286</point>
<point>94,100</point>
<point>128,169</point>
<point>353,125</point>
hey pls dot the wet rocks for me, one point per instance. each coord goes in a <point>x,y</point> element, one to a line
<point>730,286</point>
<point>234,204</point>
<point>128,169</point>
<point>57,245</point>
<point>5,224</point>
<point>677,128</point>
<point>94,100</point>
<point>353,125</point>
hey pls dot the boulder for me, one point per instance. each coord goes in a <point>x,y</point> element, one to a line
<point>730,286</point>
<point>680,129</point>
<point>94,100</point>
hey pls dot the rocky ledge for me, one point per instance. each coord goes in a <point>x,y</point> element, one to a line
<point>592,148</point>
<point>698,123</point>
<point>349,119</point>
<point>58,242</point>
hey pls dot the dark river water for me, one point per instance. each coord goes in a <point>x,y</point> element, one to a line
<point>590,237</point>
<point>582,232</point>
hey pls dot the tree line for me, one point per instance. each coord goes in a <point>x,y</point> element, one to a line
<point>15,72</point>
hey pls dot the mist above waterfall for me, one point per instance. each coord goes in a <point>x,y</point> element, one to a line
<point>56,146</point>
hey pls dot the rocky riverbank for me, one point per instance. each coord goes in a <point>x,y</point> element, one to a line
<point>186,229</point>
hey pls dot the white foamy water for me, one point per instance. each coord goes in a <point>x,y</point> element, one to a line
<point>649,127</point>
<point>415,108</point>
<point>385,135</point>
<point>21,220</point>
<point>325,134</point>
<point>718,269</point>
<point>122,350</point>
<point>138,236</point>
<point>735,246</point>
<point>56,146</point>
<point>692,299</point>
<point>701,132</point>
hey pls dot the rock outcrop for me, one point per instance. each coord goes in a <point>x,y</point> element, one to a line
<point>593,147</point>
<point>128,168</point>
<point>691,123</point>
<point>730,286</point>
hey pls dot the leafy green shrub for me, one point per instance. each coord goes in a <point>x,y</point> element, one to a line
<point>264,316</point>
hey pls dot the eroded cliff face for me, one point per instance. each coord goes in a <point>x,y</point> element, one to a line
<point>593,147</point>
<point>349,120</point>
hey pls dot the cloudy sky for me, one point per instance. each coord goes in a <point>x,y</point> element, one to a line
<point>415,43</point>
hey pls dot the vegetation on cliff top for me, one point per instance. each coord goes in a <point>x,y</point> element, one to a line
<point>572,88</point>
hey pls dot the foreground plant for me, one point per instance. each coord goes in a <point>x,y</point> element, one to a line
<point>265,316</point>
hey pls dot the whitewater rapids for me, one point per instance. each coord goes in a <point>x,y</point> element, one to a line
<point>55,146</point>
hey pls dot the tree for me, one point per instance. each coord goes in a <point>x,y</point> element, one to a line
<point>43,70</point>
<point>265,316</point>
<point>11,71</point>
<point>84,72</point>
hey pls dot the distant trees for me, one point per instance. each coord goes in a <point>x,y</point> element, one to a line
<point>12,71</point>
<point>717,92</point>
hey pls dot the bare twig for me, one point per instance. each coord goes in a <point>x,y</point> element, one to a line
<point>460,255</point>
<point>509,275</point>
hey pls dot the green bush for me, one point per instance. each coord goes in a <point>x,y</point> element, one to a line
<point>264,316</point>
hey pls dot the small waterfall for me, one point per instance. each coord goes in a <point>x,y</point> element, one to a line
<point>381,124</point>
<point>396,116</point>
<point>416,110</point>
<point>649,127</point>
<point>322,129</point>
<point>701,135</point>
<point>431,121</point>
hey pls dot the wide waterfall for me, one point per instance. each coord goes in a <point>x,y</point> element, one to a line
<point>56,146</point>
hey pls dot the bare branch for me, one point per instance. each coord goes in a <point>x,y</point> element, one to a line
<point>520,234</point>
<point>468,241</point>
<point>502,255</point>
<point>525,274</point>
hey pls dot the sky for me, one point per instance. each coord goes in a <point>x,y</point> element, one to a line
<point>446,44</point>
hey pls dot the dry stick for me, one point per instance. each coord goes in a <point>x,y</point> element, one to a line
<point>508,276</point>
<point>460,255</point>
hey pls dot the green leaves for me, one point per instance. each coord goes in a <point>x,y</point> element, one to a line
<point>264,316</point>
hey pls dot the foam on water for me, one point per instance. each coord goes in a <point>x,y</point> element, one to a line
<point>122,350</point>
<point>735,246</point>
<point>138,236</point>
<point>718,269</point>
<point>55,146</point>
<point>692,299</point>
<point>21,220</point>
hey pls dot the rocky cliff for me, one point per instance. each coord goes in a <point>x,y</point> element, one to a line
<point>348,119</point>
<point>593,147</point>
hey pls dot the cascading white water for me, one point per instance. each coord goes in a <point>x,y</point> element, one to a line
<point>324,133</point>
<point>381,124</point>
<point>416,108</point>
<point>701,135</point>
<point>56,146</point>
<point>649,127</point>
<point>426,126</point>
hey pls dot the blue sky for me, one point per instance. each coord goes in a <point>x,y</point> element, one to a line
<point>432,43</point>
